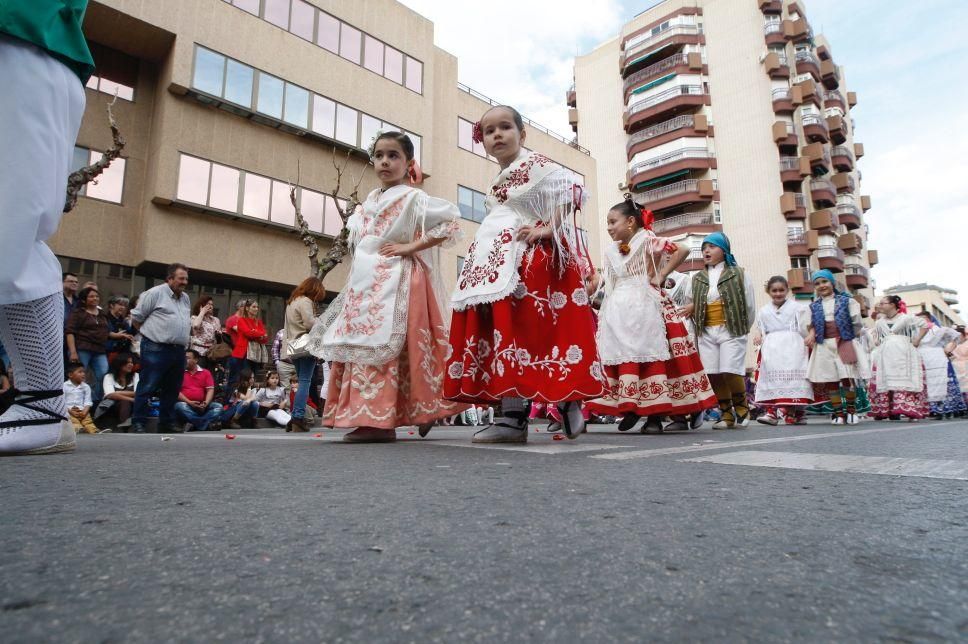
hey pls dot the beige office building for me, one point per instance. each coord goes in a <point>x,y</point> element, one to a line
<point>940,302</point>
<point>731,115</point>
<point>223,104</point>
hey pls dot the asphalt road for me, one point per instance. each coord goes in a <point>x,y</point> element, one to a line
<point>614,537</point>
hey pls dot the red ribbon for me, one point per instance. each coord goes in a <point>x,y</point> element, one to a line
<point>648,219</point>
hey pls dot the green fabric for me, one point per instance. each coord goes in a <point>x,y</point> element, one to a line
<point>654,83</point>
<point>52,25</point>
<point>732,290</point>
<point>665,177</point>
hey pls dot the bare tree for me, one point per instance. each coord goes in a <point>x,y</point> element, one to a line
<point>79,178</point>
<point>320,266</point>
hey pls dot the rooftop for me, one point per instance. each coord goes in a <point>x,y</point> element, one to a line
<point>923,286</point>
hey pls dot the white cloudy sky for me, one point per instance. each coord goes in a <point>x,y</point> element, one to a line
<point>907,60</point>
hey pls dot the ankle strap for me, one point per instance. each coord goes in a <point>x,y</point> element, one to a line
<point>24,399</point>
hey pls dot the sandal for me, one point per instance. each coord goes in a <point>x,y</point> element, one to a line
<point>12,397</point>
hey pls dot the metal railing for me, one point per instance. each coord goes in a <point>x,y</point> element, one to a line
<point>857,269</point>
<point>830,251</point>
<point>661,97</point>
<point>782,94</point>
<point>796,238</point>
<point>678,30</point>
<point>773,27</point>
<point>671,190</point>
<point>847,209</point>
<point>814,119</point>
<point>677,123</point>
<point>834,95</point>
<point>808,57</point>
<point>822,184</point>
<point>789,163</point>
<point>671,157</point>
<point>663,65</point>
<point>490,101</point>
<point>800,199</point>
<point>842,151</point>
<point>683,221</point>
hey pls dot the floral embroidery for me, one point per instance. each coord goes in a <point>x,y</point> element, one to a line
<point>353,304</point>
<point>518,177</point>
<point>474,274</point>
<point>580,296</point>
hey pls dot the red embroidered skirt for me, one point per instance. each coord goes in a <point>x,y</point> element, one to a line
<point>538,343</point>
<point>677,386</point>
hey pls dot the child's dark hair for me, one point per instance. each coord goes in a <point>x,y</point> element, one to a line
<point>402,139</point>
<point>894,299</point>
<point>629,208</point>
<point>74,366</point>
<point>516,115</point>
<point>777,279</point>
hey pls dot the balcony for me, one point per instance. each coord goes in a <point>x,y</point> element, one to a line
<point>844,182</point>
<point>681,63</point>
<point>793,205</point>
<point>802,244</point>
<point>776,65</point>
<point>852,98</point>
<point>872,257</point>
<point>838,129</point>
<point>850,243</point>
<point>857,276</point>
<point>799,279</point>
<point>834,99</point>
<point>678,194</point>
<point>815,128</point>
<point>671,162</point>
<point>824,221</point>
<point>771,6</point>
<point>865,202</point>
<point>823,192</point>
<point>690,222</point>
<point>786,99</point>
<point>831,258</point>
<point>785,133</point>
<point>858,150</point>
<point>800,31</point>
<point>674,128</point>
<point>794,169</point>
<point>819,158</point>
<point>809,92</point>
<point>842,158</point>
<point>829,74</point>
<point>666,103</point>
<point>777,32</point>
<point>637,56</point>
<point>822,52</point>
<point>571,98</point>
<point>573,119</point>
<point>849,215</point>
<point>807,63</point>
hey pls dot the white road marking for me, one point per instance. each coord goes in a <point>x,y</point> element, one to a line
<point>887,465</point>
<point>564,448</point>
<point>622,456</point>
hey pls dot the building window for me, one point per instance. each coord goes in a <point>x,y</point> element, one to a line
<point>117,72</point>
<point>109,185</point>
<point>221,187</point>
<point>302,19</point>
<point>274,97</point>
<point>717,213</point>
<point>800,262</point>
<point>471,204</point>
<point>465,139</point>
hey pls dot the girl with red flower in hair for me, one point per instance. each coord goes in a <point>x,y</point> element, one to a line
<point>651,363</point>
<point>522,327</point>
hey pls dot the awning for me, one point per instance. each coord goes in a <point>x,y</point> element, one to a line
<point>658,81</point>
<point>650,54</point>
<point>665,177</point>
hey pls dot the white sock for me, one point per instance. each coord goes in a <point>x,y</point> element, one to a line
<point>32,333</point>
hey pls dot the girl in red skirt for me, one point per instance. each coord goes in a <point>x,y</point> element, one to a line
<point>652,366</point>
<point>522,327</point>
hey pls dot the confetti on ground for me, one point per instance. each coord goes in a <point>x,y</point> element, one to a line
<point>411,433</point>
<point>165,438</point>
<point>317,435</point>
<point>230,436</point>
<point>375,548</point>
<point>558,437</point>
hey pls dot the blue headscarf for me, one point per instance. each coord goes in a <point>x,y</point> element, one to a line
<point>721,241</point>
<point>823,273</point>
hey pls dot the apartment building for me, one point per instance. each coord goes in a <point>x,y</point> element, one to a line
<point>940,302</point>
<point>224,104</point>
<point>733,116</point>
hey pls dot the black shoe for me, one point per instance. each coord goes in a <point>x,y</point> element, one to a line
<point>894,417</point>
<point>653,425</point>
<point>628,422</point>
<point>572,421</point>
<point>215,426</point>
<point>137,428</point>
<point>696,421</point>
<point>678,424</point>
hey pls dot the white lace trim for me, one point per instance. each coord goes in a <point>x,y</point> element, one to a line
<point>490,298</point>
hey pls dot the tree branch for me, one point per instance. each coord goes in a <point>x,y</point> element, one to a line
<point>79,178</point>
<point>307,236</point>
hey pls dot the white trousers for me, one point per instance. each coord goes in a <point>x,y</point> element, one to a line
<point>721,352</point>
<point>41,106</point>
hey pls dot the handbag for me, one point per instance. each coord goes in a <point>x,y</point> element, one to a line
<point>298,347</point>
<point>221,349</point>
<point>257,353</point>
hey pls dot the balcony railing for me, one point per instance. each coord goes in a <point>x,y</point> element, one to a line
<point>808,57</point>
<point>671,190</point>
<point>800,199</point>
<point>678,30</point>
<point>684,221</point>
<point>796,238</point>
<point>857,269</point>
<point>663,65</point>
<point>772,28</point>
<point>789,163</point>
<point>830,251</point>
<point>677,123</point>
<point>782,94</point>
<point>661,97</point>
<point>822,184</point>
<point>847,209</point>
<point>842,151</point>
<point>670,157</point>
<point>834,95</point>
<point>814,119</point>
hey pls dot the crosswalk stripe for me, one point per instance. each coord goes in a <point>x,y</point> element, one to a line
<point>885,465</point>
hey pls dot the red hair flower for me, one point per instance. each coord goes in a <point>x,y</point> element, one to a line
<point>477,132</point>
<point>648,218</point>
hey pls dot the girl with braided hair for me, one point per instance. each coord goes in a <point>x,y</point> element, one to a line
<point>838,360</point>
<point>650,361</point>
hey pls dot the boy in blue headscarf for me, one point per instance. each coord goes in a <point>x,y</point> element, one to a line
<point>721,305</point>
